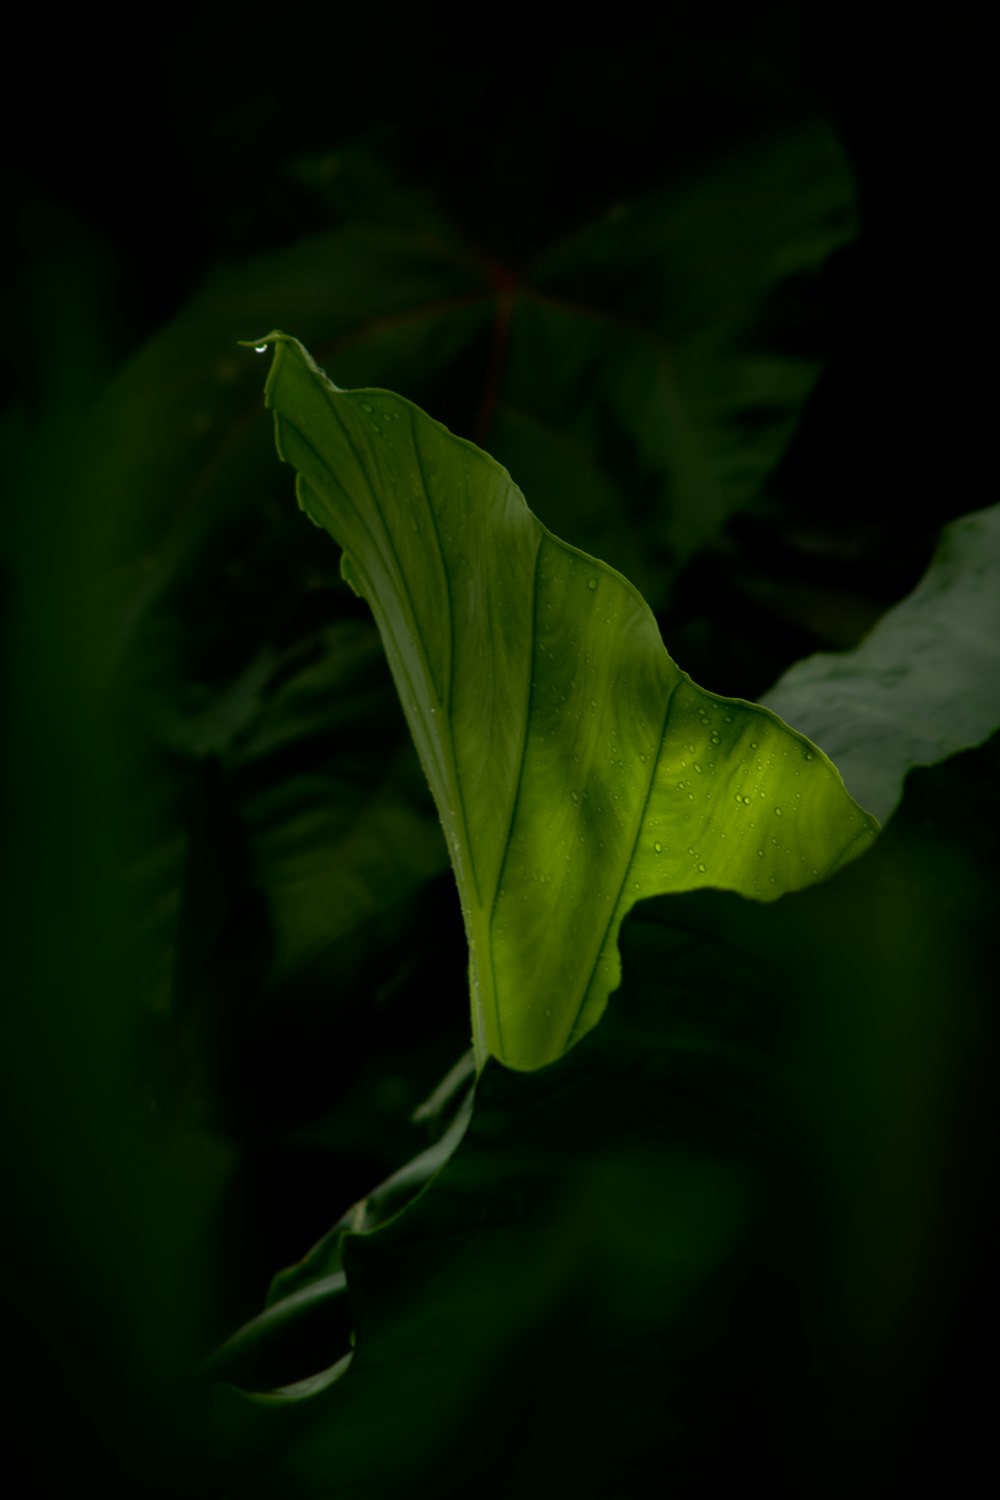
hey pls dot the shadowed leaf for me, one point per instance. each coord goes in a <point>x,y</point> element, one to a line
<point>923,685</point>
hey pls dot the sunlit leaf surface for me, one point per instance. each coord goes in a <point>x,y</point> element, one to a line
<point>575,767</point>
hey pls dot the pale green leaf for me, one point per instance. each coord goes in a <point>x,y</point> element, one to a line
<point>923,685</point>
<point>575,767</point>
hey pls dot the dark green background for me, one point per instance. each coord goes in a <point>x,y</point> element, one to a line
<point>162,1166</point>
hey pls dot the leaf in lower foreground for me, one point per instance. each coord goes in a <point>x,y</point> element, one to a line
<point>923,685</point>
<point>576,769</point>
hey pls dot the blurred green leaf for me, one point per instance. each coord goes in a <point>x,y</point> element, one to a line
<point>307,1314</point>
<point>338,827</point>
<point>659,359</point>
<point>924,684</point>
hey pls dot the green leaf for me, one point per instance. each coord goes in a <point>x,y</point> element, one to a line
<point>640,405</point>
<point>923,685</point>
<point>306,1320</point>
<point>574,766</point>
<point>659,358</point>
<point>340,835</point>
<point>690,1241</point>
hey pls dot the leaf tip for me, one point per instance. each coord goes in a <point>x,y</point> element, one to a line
<point>261,344</point>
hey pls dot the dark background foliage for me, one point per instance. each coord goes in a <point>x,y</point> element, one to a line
<point>169,1151</point>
